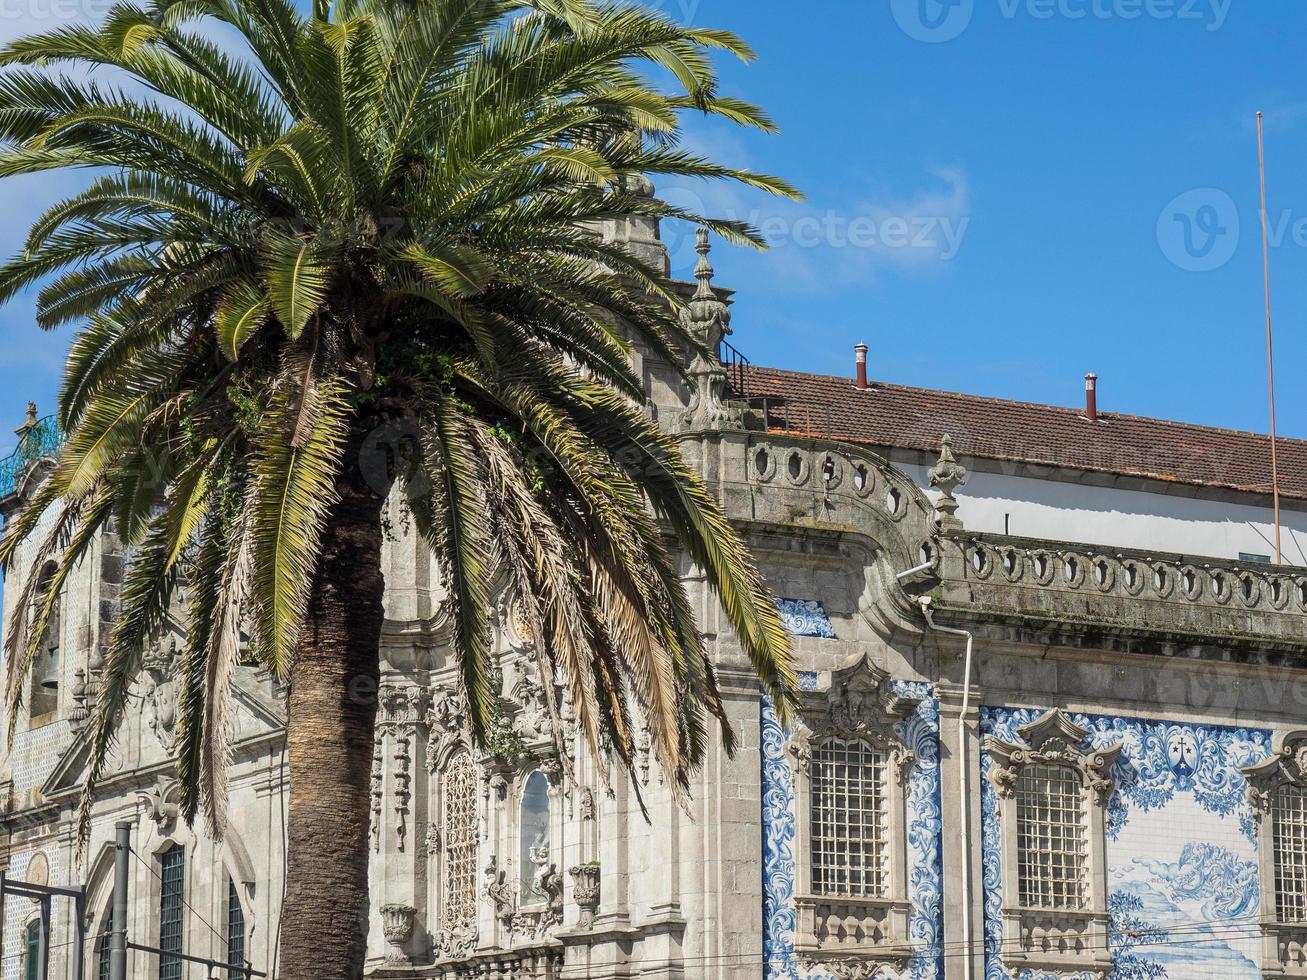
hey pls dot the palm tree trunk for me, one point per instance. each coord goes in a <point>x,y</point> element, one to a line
<point>332,718</point>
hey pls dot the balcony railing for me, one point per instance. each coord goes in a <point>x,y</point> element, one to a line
<point>39,441</point>
<point>737,370</point>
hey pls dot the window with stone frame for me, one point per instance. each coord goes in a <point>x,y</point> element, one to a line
<point>458,820</point>
<point>1051,837</point>
<point>847,828</point>
<point>454,828</point>
<point>172,900</point>
<point>1277,790</point>
<point>851,770</point>
<point>1053,787</point>
<point>235,933</point>
<point>103,946</point>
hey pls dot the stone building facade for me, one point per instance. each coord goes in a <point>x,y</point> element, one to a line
<point>1051,724</point>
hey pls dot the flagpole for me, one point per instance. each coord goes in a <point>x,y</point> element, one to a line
<point>1270,345</point>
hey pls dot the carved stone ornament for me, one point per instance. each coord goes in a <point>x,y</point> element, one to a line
<point>859,969</point>
<point>585,891</point>
<point>456,944</point>
<point>946,476</point>
<point>1053,739</point>
<point>161,692</point>
<point>531,721</point>
<point>860,703</point>
<point>161,803</point>
<point>397,927</point>
<point>538,921</point>
<point>1287,766</point>
<point>500,892</point>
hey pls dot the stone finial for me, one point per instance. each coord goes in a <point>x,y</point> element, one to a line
<point>709,316</point>
<point>946,476</point>
<point>29,422</point>
<point>709,319</point>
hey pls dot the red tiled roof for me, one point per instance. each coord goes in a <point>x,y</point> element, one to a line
<point>900,417</point>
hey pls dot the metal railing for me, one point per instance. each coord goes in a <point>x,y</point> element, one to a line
<point>737,369</point>
<point>39,441</point>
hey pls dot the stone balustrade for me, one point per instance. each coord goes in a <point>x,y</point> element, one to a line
<point>1209,597</point>
<point>1291,948</point>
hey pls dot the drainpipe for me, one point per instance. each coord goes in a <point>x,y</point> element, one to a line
<point>964,782</point>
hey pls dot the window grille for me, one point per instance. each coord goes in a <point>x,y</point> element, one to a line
<point>459,821</point>
<point>1290,834</point>
<point>104,945</point>
<point>849,854</point>
<point>172,872</point>
<point>235,933</point>
<point>1051,837</point>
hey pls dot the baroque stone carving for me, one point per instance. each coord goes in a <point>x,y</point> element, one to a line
<point>377,749</point>
<point>161,692</point>
<point>861,703</point>
<point>858,969</point>
<point>162,803</point>
<point>585,891</point>
<point>456,944</point>
<point>500,892</point>
<point>404,707</point>
<point>538,922</point>
<point>1287,766</point>
<point>397,927</point>
<point>1053,739</point>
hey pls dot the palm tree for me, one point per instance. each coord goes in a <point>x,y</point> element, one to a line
<point>379,213</point>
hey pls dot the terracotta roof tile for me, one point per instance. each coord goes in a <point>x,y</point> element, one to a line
<point>901,417</point>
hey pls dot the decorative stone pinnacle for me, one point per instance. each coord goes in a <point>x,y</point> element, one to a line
<point>709,315</point>
<point>946,476</point>
<point>703,270</point>
<point>30,421</point>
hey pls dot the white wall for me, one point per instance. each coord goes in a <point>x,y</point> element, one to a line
<point>1074,512</point>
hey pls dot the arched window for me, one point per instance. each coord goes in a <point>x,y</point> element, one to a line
<point>172,874</point>
<point>849,847</point>
<point>102,946</point>
<point>459,825</point>
<point>235,932</point>
<point>534,838</point>
<point>32,950</point>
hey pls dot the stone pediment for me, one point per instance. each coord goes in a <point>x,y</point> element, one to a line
<point>142,749</point>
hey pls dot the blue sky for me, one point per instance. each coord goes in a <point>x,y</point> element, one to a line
<point>1002,196</point>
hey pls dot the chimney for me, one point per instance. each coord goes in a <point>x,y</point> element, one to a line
<point>860,352</point>
<point>1091,397</point>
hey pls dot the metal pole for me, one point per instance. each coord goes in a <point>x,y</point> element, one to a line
<point>43,944</point>
<point>79,931</point>
<point>1270,343</point>
<point>118,937</point>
